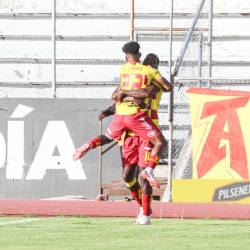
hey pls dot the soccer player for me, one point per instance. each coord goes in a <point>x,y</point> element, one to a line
<point>129,115</point>
<point>135,150</point>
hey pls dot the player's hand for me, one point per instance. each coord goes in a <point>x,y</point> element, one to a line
<point>101,116</point>
<point>114,96</point>
<point>119,96</point>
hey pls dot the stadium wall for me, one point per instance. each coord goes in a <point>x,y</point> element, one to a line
<point>37,141</point>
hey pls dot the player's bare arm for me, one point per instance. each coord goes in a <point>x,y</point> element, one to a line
<point>131,95</point>
<point>107,112</point>
<point>141,93</point>
<point>138,101</point>
<point>137,96</point>
<point>166,85</point>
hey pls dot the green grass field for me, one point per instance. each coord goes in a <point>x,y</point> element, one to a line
<point>120,233</point>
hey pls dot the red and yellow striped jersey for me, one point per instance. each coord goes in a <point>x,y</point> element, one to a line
<point>154,103</point>
<point>135,76</point>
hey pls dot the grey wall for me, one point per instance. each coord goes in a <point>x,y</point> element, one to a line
<point>36,146</point>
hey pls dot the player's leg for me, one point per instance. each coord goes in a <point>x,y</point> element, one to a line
<point>129,176</point>
<point>130,160</point>
<point>147,191</point>
<point>144,156</point>
<point>158,143</point>
<point>145,150</point>
<point>114,131</point>
<point>93,143</point>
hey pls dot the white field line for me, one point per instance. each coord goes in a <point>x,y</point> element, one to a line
<point>19,221</point>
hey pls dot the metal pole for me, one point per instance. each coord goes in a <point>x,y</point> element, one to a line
<point>167,29</point>
<point>132,20</point>
<point>53,59</point>
<point>200,57</point>
<point>210,79</point>
<point>184,48</point>
<point>210,38</point>
<point>136,36</point>
<point>100,163</point>
<point>108,148</point>
<point>170,108</point>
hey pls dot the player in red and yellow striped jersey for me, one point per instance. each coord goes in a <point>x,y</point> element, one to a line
<point>129,115</point>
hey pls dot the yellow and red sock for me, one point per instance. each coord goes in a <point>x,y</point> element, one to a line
<point>137,195</point>
<point>146,204</point>
<point>95,142</point>
<point>135,190</point>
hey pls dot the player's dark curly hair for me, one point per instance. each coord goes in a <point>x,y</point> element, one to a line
<point>131,48</point>
<point>152,60</point>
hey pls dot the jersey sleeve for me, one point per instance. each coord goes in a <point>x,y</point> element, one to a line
<point>156,75</point>
<point>158,85</point>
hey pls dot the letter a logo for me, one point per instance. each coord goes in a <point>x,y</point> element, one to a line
<point>225,112</point>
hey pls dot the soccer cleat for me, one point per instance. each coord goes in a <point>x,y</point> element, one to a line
<point>80,152</point>
<point>139,215</point>
<point>140,212</point>
<point>144,220</point>
<point>148,174</point>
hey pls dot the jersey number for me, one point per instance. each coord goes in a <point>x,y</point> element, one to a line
<point>133,81</point>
